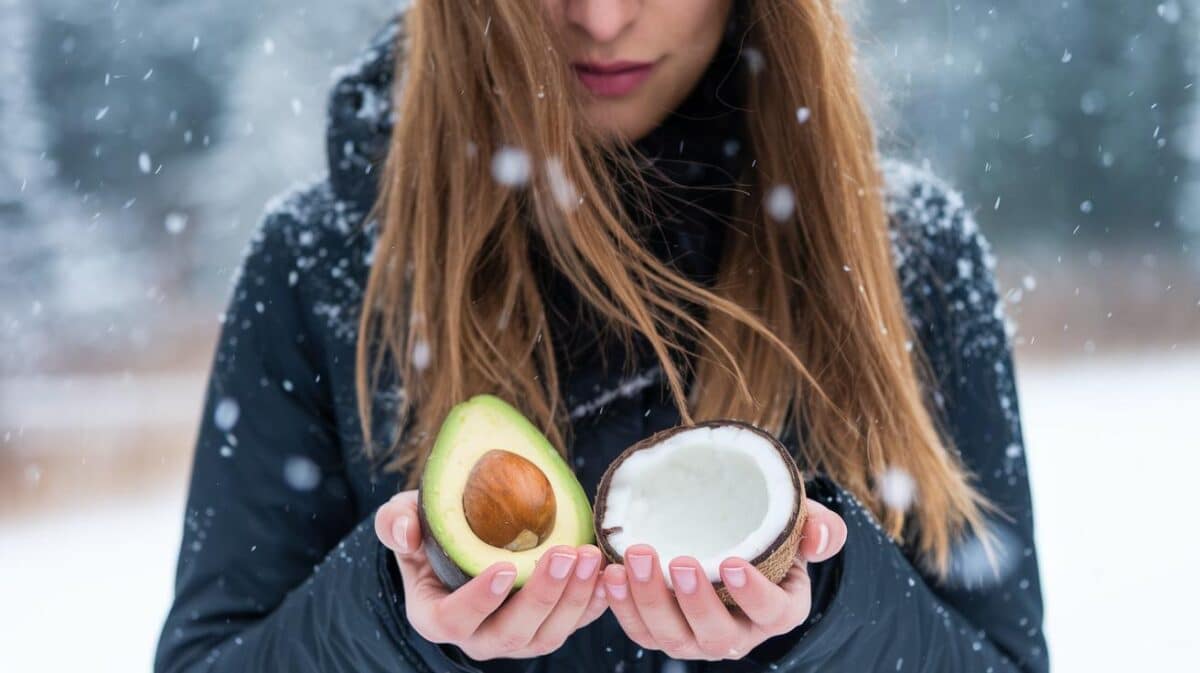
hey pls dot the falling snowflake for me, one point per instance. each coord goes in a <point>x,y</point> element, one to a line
<point>175,223</point>
<point>225,416</point>
<point>674,666</point>
<point>422,354</point>
<point>972,567</point>
<point>755,61</point>
<point>1170,11</point>
<point>803,114</point>
<point>511,167</point>
<point>561,188</point>
<point>301,473</point>
<point>897,488</point>
<point>780,203</point>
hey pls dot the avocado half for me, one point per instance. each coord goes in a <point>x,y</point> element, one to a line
<point>713,490</point>
<point>494,489</point>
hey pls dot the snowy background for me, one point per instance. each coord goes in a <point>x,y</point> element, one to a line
<point>140,139</point>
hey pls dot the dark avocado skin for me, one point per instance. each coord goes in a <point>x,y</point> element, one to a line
<point>445,569</point>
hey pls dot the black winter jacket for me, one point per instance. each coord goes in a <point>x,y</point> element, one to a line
<point>279,567</point>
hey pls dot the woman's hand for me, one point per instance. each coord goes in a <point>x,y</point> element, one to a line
<point>692,622</point>
<point>561,596</point>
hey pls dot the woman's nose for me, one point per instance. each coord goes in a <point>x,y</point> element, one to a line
<point>602,20</point>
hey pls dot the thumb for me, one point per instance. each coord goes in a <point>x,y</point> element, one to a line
<point>397,526</point>
<point>824,533</point>
<point>399,529</point>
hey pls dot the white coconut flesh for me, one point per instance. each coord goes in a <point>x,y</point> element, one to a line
<point>706,492</point>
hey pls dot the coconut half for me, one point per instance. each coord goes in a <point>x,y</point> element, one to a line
<point>711,491</point>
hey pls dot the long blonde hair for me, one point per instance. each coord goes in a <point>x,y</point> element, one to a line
<point>789,336</point>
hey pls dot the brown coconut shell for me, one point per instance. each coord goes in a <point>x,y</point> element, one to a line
<point>774,562</point>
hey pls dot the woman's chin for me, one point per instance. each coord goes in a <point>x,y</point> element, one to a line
<point>621,120</point>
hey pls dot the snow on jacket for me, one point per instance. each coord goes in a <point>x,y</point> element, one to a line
<point>279,567</point>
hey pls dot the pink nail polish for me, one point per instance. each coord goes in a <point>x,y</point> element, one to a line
<point>618,591</point>
<point>640,565</point>
<point>684,579</point>
<point>586,566</point>
<point>560,565</point>
<point>501,581</point>
<point>735,577</point>
<point>400,533</point>
<point>822,539</point>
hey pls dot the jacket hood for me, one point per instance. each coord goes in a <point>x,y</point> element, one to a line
<point>360,117</point>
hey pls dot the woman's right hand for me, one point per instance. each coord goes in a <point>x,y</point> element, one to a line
<point>560,597</point>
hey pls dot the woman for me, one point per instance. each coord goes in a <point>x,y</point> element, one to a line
<point>619,216</point>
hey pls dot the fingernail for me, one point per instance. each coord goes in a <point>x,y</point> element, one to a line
<point>640,565</point>
<point>822,538</point>
<point>600,591</point>
<point>735,577</point>
<point>400,534</point>
<point>501,581</point>
<point>684,579</point>
<point>587,565</point>
<point>618,591</point>
<point>560,565</point>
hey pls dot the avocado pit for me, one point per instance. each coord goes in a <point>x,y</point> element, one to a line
<point>508,501</point>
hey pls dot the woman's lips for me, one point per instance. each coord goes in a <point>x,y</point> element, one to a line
<point>614,78</point>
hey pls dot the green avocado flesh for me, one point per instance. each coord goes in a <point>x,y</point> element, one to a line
<point>471,429</point>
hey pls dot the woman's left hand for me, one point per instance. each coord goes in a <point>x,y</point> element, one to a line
<point>692,622</point>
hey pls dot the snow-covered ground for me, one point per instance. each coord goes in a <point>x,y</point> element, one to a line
<point>87,591</point>
<point>1115,461</point>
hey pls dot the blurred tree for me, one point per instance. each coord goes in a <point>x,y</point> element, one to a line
<point>128,90</point>
<point>25,182</point>
<point>1059,116</point>
<point>20,128</point>
<point>122,107</point>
